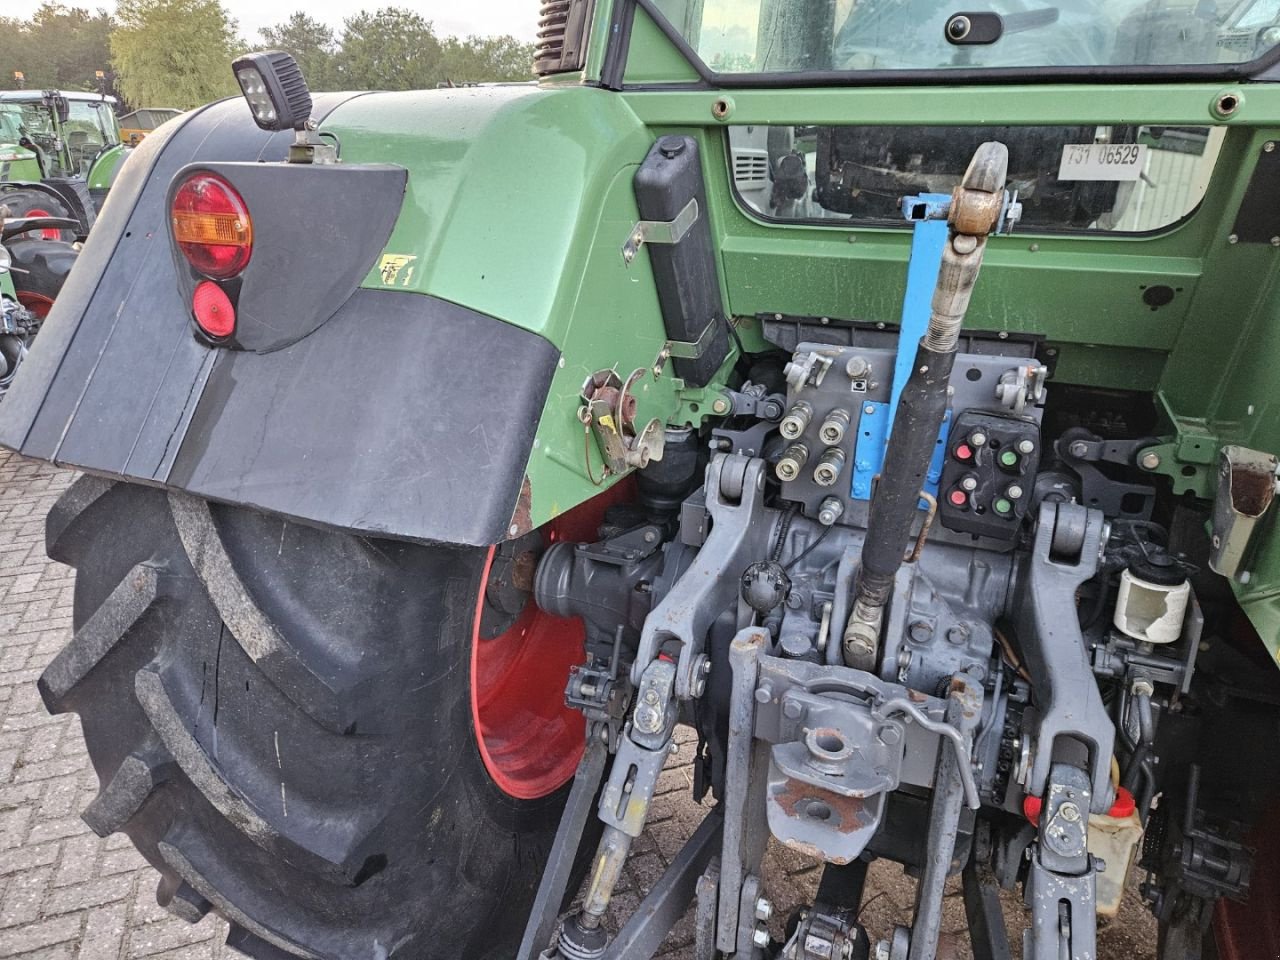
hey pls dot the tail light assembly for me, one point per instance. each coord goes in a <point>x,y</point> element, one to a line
<point>213,230</point>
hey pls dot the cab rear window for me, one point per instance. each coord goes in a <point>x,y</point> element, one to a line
<point>1130,179</point>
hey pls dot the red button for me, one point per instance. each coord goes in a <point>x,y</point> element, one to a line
<point>958,498</point>
<point>964,452</point>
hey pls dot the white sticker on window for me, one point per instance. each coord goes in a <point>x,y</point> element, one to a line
<point>1102,161</point>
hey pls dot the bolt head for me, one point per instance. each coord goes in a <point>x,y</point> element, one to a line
<point>792,709</point>
<point>760,938</point>
<point>920,631</point>
<point>882,950</point>
<point>1069,812</point>
<point>720,405</point>
<point>648,720</point>
<point>1079,448</point>
<point>1150,460</point>
<point>764,910</point>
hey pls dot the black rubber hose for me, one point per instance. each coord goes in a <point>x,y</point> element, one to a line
<point>914,438</point>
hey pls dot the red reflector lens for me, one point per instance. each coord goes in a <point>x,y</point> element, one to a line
<point>214,313</point>
<point>211,226</point>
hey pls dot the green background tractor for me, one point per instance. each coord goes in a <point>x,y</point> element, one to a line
<point>67,141</point>
<point>444,449</point>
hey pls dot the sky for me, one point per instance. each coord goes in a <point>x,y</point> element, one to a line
<point>483,17</point>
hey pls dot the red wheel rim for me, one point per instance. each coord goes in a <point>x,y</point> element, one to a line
<point>49,233</point>
<point>37,303</point>
<point>529,740</point>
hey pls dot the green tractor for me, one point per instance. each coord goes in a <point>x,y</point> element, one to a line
<point>60,151</point>
<point>886,391</point>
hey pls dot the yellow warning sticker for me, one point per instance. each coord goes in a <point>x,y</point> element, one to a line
<point>392,269</point>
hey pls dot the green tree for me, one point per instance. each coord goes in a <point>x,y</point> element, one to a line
<point>14,43</point>
<point>173,53</point>
<point>59,47</point>
<point>312,45</point>
<point>71,43</point>
<point>389,49</point>
<point>487,60</point>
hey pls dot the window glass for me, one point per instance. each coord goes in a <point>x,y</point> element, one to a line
<point>787,36</point>
<point>1122,179</point>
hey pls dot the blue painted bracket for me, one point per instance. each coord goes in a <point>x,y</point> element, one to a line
<point>928,211</point>
<point>868,451</point>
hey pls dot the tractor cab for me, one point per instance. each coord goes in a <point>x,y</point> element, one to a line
<point>75,142</point>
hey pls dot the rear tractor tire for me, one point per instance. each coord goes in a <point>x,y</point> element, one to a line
<point>38,203</point>
<point>283,721</point>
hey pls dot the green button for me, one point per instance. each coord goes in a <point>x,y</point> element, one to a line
<point>1003,506</point>
<point>1009,458</point>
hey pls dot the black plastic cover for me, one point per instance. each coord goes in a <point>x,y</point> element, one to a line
<point>307,257</point>
<point>685,271</point>
<point>1258,219</point>
<point>400,415</point>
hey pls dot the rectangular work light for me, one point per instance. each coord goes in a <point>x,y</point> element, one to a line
<point>275,89</point>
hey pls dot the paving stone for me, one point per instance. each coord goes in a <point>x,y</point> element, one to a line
<point>23,894</point>
<point>43,933</point>
<point>104,931</point>
<point>171,933</point>
<point>91,894</point>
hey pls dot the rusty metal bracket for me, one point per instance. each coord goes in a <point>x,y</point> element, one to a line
<point>1246,490</point>
<point>608,410</point>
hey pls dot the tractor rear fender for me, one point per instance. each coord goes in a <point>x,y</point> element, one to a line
<point>353,397</point>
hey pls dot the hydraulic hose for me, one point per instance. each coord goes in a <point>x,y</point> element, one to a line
<point>975,210</point>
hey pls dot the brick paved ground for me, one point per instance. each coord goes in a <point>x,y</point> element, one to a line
<point>66,894</point>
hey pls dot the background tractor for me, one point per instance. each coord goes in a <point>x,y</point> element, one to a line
<point>67,151</point>
<point>884,391</point>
